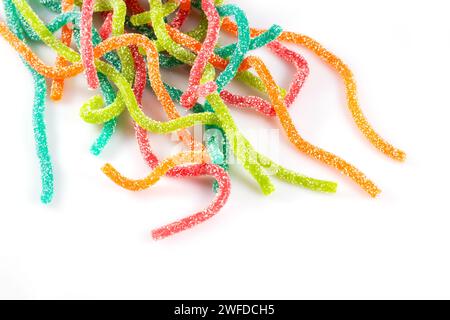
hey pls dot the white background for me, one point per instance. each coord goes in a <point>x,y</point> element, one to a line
<point>94,240</point>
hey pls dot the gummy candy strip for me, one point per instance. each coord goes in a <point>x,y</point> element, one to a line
<point>182,14</point>
<point>57,88</point>
<point>39,127</point>
<point>302,145</point>
<point>181,159</point>
<point>347,75</point>
<point>224,189</point>
<point>87,49</point>
<point>259,41</point>
<point>242,47</point>
<point>106,28</point>
<point>138,89</point>
<point>192,93</point>
<point>52,5</point>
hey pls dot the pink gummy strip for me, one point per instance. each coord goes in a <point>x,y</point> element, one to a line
<point>87,49</point>
<point>223,180</point>
<point>262,105</point>
<point>194,90</point>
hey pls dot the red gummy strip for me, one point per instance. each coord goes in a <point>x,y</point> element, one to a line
<point>300,64</point>
<point>106,28</point>
<point>246,102</point>
<point>87,48</point>
<point>182,14</point>
<point>194,90</point>
<point>262,105</point>
<point>138,89</point>
<point>223,179</point>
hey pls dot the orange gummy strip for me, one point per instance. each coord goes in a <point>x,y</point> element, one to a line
<point>288,125</point>
<point>159,171</point>
<point>350,84</point>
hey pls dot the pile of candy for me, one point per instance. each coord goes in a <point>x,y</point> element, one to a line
<point>124,56</point>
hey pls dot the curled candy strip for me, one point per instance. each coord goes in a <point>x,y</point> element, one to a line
<point>179,160</point>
